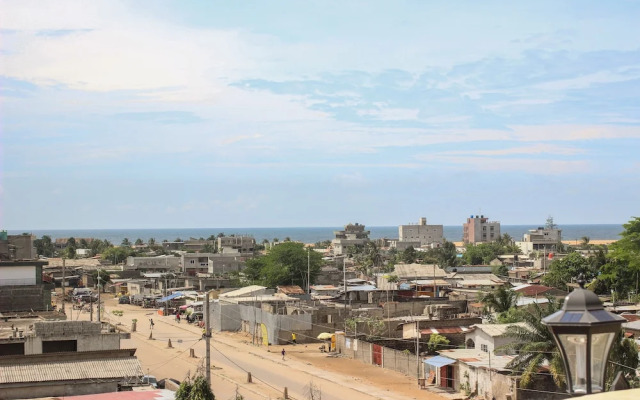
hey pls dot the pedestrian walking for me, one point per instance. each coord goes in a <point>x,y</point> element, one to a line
<point>151,323</point>
<point>178,317</point>
<point>283,353</point>
<point>293,338</point>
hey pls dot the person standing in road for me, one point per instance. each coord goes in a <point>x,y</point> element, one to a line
<point>283,353</point>
<point>293,338</point>
<point>178,317</point>
<point>151,323</point>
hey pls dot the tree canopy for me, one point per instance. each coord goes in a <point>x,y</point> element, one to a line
<point>561,271</point>
<point>622,268</point>
<point>284,264</point>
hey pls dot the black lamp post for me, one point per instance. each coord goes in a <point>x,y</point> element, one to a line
<point>584,333</point>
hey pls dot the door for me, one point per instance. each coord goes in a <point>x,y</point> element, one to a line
<point>377,354</point>
<point>450,380</point>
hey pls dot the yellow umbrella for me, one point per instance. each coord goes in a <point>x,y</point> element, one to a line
<point>325,336</point>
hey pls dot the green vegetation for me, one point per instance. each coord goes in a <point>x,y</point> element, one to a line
<point>622,268</point>
<point>198,389</point>
<point>561,271</point>
<point>284,264</point>
<point>484,253</point>
<point>437,342</point>
<point>535,346</point>
<point>499,300</point>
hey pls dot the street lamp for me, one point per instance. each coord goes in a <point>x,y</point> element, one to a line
<point>584,333</point>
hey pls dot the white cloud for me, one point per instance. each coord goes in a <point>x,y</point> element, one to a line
<point>538,167</point>
<point>540,148</point>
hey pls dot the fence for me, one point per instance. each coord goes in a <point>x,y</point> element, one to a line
<point>394,360</point>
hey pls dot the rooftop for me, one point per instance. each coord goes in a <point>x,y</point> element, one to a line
<point>496,330</point>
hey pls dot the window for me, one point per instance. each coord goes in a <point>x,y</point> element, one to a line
<point>484,348</point>
<point>192,261</point>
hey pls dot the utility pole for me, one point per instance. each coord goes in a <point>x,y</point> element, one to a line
<point>99,296</point>
<point>207,338</point>
<point>308,270</point>
<point>344,275</point>
<point>63,277</point>
<point>417,349</point>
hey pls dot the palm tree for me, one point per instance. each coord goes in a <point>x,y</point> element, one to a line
<point>535,346</point>
<point>500,300</point>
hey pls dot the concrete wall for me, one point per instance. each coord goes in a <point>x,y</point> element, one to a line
<point>25,298</point>
<point>55,389</point>
<point>395,360</point>
<point>87,334</point>
<point>487,384</point>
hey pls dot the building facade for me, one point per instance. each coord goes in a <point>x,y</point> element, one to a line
<point>478,229</point>
<point>352,235</point>
<point>425,235</point>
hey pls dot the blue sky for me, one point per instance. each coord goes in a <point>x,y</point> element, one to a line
<point>145,114</point>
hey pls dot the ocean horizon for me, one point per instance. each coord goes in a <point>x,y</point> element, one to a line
<point>308,235</point>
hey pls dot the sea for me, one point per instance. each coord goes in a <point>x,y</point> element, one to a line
<point>310,234</point>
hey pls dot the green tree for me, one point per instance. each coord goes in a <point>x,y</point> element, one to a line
<point>139,242</point>
<point>512,315</point>
<point>499,300</point>
<point>624,354</point>
<point>208,248</point>
<point>151,242</point>
<point>409,255</point>
<point>125,242</point>
<point>117,254</point>
<point>447,255</point>
<point>84,244</point>
<point>535,346</point>
<point>561,271</point>
<point>105,277</point>
<point>198,389</point>
<point>622,270</point>
<point>44,246</point>
<point>285,264</point>
<point>437,342</point>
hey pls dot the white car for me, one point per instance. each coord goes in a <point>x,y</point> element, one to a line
<point>150,380</point>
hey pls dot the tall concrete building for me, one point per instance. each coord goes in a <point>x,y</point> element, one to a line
<point>352,235</point>
<point>478,229</point>
<point>421,234</point>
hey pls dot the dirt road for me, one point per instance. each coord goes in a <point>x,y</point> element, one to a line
<point>233,356</point>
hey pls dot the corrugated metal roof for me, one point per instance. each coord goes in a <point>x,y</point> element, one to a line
<point>419,271</point>
<point>496,330</point>
<point>71,370</point>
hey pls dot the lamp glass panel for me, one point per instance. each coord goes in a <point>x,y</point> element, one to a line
<point>575,346</point>
<point>600,345</point>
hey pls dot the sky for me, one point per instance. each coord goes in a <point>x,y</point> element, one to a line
<point>164,114</point>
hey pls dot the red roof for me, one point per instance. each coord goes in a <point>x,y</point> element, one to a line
<point>142,395</point>
<point>630,317</point>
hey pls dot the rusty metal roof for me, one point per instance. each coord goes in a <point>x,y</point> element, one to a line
<point>112,368</point>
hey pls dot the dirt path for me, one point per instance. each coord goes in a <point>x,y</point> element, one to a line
<point>232,355</point>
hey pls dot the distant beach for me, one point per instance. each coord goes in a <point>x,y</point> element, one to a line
<point>571,234</point>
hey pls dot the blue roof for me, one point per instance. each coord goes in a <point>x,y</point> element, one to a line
<point>360,288</point>
<point>439,361</point>
<point>170,297</point>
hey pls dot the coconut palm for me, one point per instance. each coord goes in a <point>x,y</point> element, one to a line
<point>499,300</point>
<point>535,346</point>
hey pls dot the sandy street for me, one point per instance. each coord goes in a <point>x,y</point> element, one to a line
<point>233,355</point>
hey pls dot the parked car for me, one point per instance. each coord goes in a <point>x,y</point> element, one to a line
<point>150,380</point>
<point>195,316</point>
<point>124,300</point>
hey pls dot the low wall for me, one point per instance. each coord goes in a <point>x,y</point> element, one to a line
<point>394,360</point>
